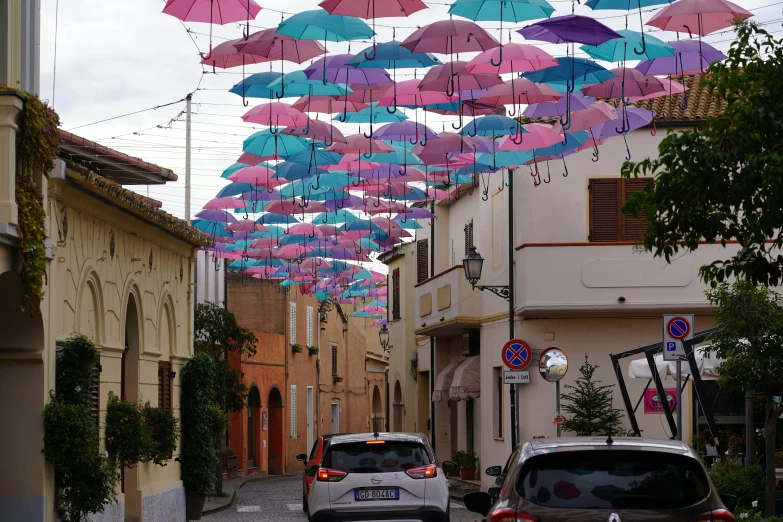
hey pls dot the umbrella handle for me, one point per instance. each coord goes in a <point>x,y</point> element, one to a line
<point>537,183</point>
<point>565,166</point>
<point>518,133</point>
<point>628,156</point>
<point>451,86</point>
<point>281,94</point>
<point>217,264</point>
<point>548,174</point>
<point>460,113</point>
<point>367,56</point>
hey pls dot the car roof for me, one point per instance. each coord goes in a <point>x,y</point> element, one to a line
<point>565,444</point>
<point>364,437</point>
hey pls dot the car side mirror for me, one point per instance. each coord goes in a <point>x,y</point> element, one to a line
<point>448,466</point>
<point>494,471</point>
<point>310,471</point>
<point>302,457</point>
<point>730,501</point>
<point>494,492</point>
<point>500,480</point>
<point>478,502</point>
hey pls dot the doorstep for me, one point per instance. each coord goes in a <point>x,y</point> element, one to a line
<point>458,487</point>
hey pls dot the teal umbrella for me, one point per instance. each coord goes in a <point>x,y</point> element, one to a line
<point>372,114</point>
<point>502,10</point>
<point>320,25</point>
<point>618,50</point>
<point>297,84</point>
<point>265,144</point>
<point>334,218</point>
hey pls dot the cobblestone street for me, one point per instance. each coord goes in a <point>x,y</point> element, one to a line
<point>279,499</point>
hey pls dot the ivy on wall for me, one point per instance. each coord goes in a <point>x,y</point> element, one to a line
<point>37,144</point>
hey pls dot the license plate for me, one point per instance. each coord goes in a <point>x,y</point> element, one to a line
<point>377,494</point>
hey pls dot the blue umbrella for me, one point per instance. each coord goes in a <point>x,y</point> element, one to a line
<point>319,157</point>
<point>256,85</point>
<point>233,189</point>
<point>627,5</point>
<point>617,50</point>
<point>493,125</point>
<point>320,25</point>
<point>298,84</point>
<point>271,217</point>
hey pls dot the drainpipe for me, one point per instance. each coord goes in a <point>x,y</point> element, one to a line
<point>432,339</point>
<point>386,378</point>
<point>513,388</point>
<point>318,381</point>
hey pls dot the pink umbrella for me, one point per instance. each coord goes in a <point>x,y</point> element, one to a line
<point>360,143</point>
<point>700,17</point>
<point>249,159</point>
<point>247,226</point>
<point>408,94</point>
<point>353,162</point>
<point>318,130</point>
<point>219,12</point>
<point>291,251</point>
<point>225,203</point>
<point>519,91</point>
<point>226,56</point>
<point>670,87</point>
<point>261,176</point>
<point>516,58</point>
<point>627,82</point>
<point>276,113</point>
<point>452,77</point>
<point>327,105</point>
<point>306,229</point>
<point>294,206</point>
<point>596,114</point>
<point>450,36</point>
<point>272,45</point>
<point>538,136</point>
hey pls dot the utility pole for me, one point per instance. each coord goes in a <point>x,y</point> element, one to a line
<point>512,388</point>
<point>187,157</point>
<point>432,339</point>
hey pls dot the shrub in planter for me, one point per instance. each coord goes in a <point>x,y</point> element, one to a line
<point>313,350</point>
<point>457,458</point>
<point>202,422</point>
<point>128,436</point>
<point>297,348</point>
<point>468,465</point>
<point>731,476</point>
<point>165,433</point>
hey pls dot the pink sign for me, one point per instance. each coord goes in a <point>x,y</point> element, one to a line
<point>652,403</point>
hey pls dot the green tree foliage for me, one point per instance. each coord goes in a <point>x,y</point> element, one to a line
<point>128,435</point>
<point>202,423</point>
<point>724,182</point>
<point>84,479</point>
<point>590,405</point>
<point>749,342</point>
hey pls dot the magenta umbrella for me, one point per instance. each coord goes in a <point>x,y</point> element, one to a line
<point>516,58</point>
<point>408,94</point>
<point>275,46</point>
<point>538,136</point>
<point>449,37</point>
<point>226,56</point>
<point>219,12</point>
<point>596,114</point>
<point>700,17</point>
<point>627,82</point>
<point>318,130</point>
<point>454,77</point>
<point>225,203</point>
<point>327,105</point>
<point>360,143</point>
<point>519,91</point>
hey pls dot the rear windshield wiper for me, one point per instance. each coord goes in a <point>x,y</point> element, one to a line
<point>364,469</point>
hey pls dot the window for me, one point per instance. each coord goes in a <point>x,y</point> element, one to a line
<point>497,402</point>
<point>388,457</point>
<point>309,326</point>
<point>334,359</point>
<point>396,294</point>
<point>422,249</point>
<point>627,479</point>
<point>468,236</point>
<point>607,223</point>
<point>164,385</point>
<point>95,395</point>
<point>293,412</point>
<point>293,323</point>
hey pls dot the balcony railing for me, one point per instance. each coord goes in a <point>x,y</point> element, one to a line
<point>446,305</point>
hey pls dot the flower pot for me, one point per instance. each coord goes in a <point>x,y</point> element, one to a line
<point>230,463</point>
<point>296,349</point>
<point>194,504</point>
<point>313,352</point>
<point>467,473</point>
<point>454,473</point>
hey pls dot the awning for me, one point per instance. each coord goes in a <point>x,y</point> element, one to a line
<point>467,380</point>
<point>708,367</point>
<point>443,383</point>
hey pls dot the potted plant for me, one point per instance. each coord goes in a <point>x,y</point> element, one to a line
<point>229,460</point>
<point>165,433</point>
<point>296,347</point>
<point>456,458</point>
<point>128,435</point>
<point>468,465</point>
<point>313,350</point>
<point>202,422</point>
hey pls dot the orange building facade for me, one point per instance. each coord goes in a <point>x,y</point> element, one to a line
<point>297,394</point>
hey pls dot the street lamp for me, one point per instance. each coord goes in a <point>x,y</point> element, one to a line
<point>473,263</point>
<point>383,335</point>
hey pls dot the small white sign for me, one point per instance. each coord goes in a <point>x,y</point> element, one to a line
<point>676,329</point>
<point>516,377</point>
<point>536,357</point>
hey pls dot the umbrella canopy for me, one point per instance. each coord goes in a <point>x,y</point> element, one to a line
<point>689,58</point>
<point>390,55</point>
<point>298,84</point>
<point>627,82</point>
<point>493,125</point>
<point>226,56</point>
<point>265,144</point>
<point>636,117</point>
<point>372,113</point>
<point>625,48</point>
<point>404,131</point>
<point>453,76</point>
<point>537,136</point>
<point>256,85</point>
<point>519,91</point>
<point>577,101</point>
<point>277,114</point>
<point>272,45</point>
<point>700,17</point>
<point>219,12</point>
<point>318,24</point>
<point>370,9</point>
<point>568,69</point>
<point>506,10</point>
<point>596,114</point>
<point>569,29</point>
<point>517,58</point>
<point>450,36</point>
<point>335,69</point>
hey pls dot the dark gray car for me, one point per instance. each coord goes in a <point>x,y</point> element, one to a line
<point>588,479</point>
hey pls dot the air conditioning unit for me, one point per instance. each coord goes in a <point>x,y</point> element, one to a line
<point>471,342</point>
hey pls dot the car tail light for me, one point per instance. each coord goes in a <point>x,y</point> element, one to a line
<point>329,475</point>
<point>716,515</point>
<point>423,472</point>
<point>509,515</point>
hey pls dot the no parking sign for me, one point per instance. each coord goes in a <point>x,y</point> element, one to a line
<point>676,329</point>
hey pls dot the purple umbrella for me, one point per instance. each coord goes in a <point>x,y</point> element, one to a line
<point>569,29</point>
<point>577,100</point>
<point>403,131</point>
<point>219,216</point>
<point>415,213</point>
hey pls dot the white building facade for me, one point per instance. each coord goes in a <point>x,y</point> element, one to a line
<point>581,285</point>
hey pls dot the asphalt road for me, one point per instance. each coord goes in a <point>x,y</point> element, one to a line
<point>279,499</point>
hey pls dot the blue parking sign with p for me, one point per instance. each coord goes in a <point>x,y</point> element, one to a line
<point>671,346</point>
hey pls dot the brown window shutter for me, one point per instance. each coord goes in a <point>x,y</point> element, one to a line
<point>395,294</point>
<point>334,360</point>
<point>422,247</point>
<point>95,393</point>
<point>634,229</point>
<point>468,236</point>
<point>164,385</point>
<point>605,198</point>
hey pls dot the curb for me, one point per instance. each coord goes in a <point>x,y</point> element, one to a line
<point>235,496</point>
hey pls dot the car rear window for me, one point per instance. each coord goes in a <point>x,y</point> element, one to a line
<point>361,457</point>
<point>613,480</point>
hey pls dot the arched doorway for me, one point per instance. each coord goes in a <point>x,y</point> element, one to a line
<point>399,408</point>
<point>253,431</point>
<point>129,389</point>
<point>275,405</point>
<point>377,410</point>
<point>23,392</point>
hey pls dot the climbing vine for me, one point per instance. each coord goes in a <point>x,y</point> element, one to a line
<point>37,145</point>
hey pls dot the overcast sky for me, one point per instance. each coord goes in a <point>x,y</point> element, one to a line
<point>116,57</point>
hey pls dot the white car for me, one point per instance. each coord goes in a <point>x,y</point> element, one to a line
<point>379,476</point>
